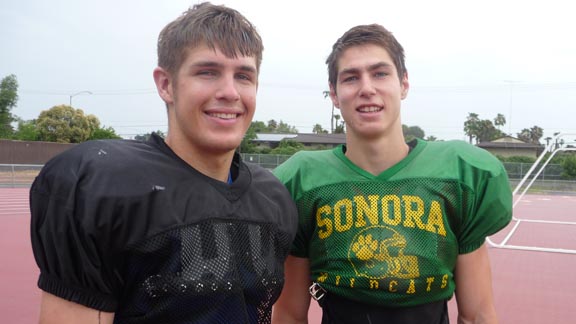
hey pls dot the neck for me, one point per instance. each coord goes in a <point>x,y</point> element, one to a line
<point>376,155</point>
<point>213,164</point>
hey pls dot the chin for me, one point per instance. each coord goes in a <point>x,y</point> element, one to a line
<point>224,145</point>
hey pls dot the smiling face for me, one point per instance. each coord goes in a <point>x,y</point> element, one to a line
<point>368,91</point>
<point>211,101</point>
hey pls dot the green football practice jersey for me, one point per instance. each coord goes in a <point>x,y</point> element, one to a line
<point>393,239</point>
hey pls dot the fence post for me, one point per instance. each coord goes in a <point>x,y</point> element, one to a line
<point>13,176</point>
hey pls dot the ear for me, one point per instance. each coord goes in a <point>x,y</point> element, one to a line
<point>405,86</point>
<point>334,97</point>
<point>164,85</point>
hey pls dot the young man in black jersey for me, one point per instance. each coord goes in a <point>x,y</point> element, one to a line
<point>177,230</point>
<point>389,230</point>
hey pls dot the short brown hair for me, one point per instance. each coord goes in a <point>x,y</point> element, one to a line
<point>361,35</point>
<point>211,25</point>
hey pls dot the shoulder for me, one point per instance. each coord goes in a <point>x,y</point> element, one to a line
<point>303,161</point>
<point>462,154</point>
<point>262,178</point>
<point>97,159</point>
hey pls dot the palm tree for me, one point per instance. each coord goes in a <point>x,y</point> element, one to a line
<point>471,126</point>
<point>500,120</point>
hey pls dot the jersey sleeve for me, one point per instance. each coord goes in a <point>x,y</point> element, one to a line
<point>489,211</point>
<point>74,262</point>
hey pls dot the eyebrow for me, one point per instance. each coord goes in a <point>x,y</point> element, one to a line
<point>372,67</point>
<point>207,64</point>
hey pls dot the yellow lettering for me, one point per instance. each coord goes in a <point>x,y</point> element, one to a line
<point>429,280</point>
<point>338,280</point>
<point>324,222</point>
<point>362,209</point>
<point>414,209</point>
<point>444,281</point>
<point>411,288</point>
<point>396,212</point>
<point>352,282</point>
<point>374,284</point>
<point>392,286</point>
<point>323,276</point>
<point>435,220</point>
<point>348,215</point>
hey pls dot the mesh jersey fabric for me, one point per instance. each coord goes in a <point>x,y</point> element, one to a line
<point>128,227</point>
<point>393,239</point>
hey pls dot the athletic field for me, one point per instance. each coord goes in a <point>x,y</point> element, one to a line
<point>531,287</point>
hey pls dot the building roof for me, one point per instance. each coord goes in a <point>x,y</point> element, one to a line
<point>262,137</point>
<point>303,138</point>
<point>321,138</point>
<point>509,143</point>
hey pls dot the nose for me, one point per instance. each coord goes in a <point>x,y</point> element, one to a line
<point>227,89</point>
<point>366,87</point>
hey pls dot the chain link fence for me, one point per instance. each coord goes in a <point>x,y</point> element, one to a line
<point>550,180</point>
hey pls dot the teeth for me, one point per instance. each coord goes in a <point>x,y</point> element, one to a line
<point>223,116</point>
<point>370,109</point>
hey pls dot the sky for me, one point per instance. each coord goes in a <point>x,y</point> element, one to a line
<point>516,58</point>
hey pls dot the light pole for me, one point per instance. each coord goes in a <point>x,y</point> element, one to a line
<point>78,93</point>
<point>509,121</point>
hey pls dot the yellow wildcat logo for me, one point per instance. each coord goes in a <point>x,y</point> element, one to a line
<point>377,252</point>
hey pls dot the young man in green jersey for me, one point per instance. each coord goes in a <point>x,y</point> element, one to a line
<point>389,230</point>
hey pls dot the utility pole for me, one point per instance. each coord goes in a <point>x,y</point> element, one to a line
<point>510,105</point>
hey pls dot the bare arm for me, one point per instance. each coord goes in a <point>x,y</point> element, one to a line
<point>292,306</point>
<point>55,310</point>
<point>474,288</point>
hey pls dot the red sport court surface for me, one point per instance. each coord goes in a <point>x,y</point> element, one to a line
<point>530,287</point>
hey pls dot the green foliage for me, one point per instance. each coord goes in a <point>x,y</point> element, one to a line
<point>26,131</point>
<point>569,166</point>
<point>483,130</point>
<point>412,132</point>
<point>104,133</point>
<point>8,100</point>
<point>247,145</point>
<point>145,137</point>
<point>532,135</point>
<point>287,147</point>
<point>317,129</point>
<point>64,124</point>
<point>519,159</point>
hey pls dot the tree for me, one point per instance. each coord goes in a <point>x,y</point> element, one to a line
<point>145,137</point>
<point>531,135</point>
<point>284,128</point>
<point>64,124</point>
<point>569,166</point>
<point>487,132</point>
<point>500,120</point>
<point>247,145</point>
<point>287,147</point>
<point>471,126</point>
<point>412,132</point>
<point>272,125</point>
<point>104,133</point>
<point>482,130</point>
<point>317,129</point>
<point>27,130</point>
<point>339,128</point>
<point>8,100</point>
<point>258,127</point>
<point>536,134</point>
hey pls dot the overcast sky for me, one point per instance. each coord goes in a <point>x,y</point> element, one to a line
<point>517,58</point>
